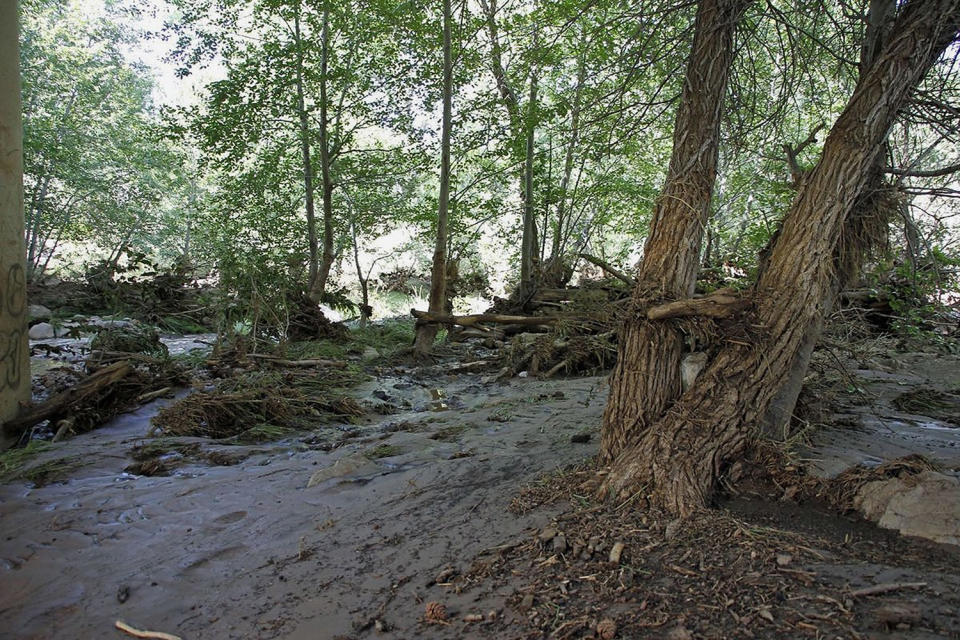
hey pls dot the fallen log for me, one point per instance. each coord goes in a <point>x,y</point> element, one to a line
<point>719,304</point>
<point>616,273</point>
<point>476,320</point>
<point>60,403</point>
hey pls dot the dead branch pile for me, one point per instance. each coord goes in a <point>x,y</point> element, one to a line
<point>290,399</point>
<point>307,322</point>
<point>95,399</point>
<point>142,339</point>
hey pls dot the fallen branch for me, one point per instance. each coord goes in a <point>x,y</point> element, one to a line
<point>719,304</point>
<point>282,362</point>
<point>616,273</point>
<point>153,395</point>
<point>102,379</point>
<point>886,588</point>
<point>139,633</point>
<point>475,320</point>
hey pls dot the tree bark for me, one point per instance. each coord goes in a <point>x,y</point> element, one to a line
<point>677,462</point>
<point>14,349</point>
<point>427,332</point>
<point>858,230</point>
<point>646,380</point>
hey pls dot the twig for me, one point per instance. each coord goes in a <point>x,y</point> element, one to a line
<point>886,588</point>
<point>138,633</point>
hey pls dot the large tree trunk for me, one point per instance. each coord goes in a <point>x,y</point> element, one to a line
<point>677,462</point>
<point>865,227</point>
<point>14,350</point>
<point>646,380</point>
<point>426,333</point>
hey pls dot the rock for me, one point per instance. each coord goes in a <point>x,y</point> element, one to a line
<point>370,353</point>
<point>580,438</point>
<point>560,543</point>
<point>783,559</point>
<point>38,312</point>
<point>527,603</point>
<point>926,505</point>
<point>548,534</point>
<point>42,331</point>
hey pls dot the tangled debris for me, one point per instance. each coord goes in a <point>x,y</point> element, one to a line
<point>94,399</point>
<point>285,399</point>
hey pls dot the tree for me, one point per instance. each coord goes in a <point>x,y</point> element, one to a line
<point>14,350</point>
<point>647,377</point>
<point>426,333</point>
<point>310,85</point>
<point>96,165</point>
<point>678,456</point>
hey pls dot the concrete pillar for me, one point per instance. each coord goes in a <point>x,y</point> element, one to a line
<point>14,349</point>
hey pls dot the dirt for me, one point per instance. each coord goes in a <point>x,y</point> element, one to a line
<point>344,532</point>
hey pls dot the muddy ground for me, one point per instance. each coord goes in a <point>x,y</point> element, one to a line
<point>469,498</point>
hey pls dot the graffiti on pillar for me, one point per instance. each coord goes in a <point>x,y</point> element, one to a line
<point>13,304</point>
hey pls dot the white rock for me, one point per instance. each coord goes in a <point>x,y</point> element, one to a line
<point>926,505</point>
<point>41,331</point>
<point>370,354</point>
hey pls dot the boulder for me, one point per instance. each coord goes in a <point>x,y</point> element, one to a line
<point>42,331</point>
<point>926,505</point>
<point>38,312</point>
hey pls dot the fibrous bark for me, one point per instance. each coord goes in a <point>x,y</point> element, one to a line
<point>678,461</point>
<point>646,380</point>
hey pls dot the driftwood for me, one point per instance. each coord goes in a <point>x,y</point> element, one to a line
<point>95,382</point>
<point>616,273</point>
<point>719,304</point>
<point>476,320</point>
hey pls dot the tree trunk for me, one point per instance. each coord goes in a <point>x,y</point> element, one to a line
<point>678,461</point>
<point>426,333</point>
<point>529,245</point>
<point>14,350</point>
<point>556,250</point>
<point>305,157</point>
<point>319,284</point>
<point>861,229</point>
<point>646,380</point>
